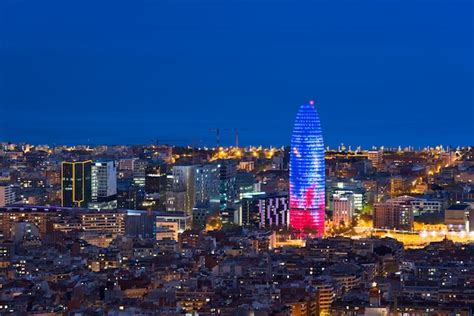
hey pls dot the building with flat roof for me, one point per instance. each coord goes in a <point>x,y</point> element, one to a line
<point>265,210</point>
<point>76,183</point>
<point>64,219</point>
<point>394,214</point>
<point>103,185</point>
<point>342,209</point>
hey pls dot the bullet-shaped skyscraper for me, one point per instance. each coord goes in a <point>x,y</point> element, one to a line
<point>307,178</point>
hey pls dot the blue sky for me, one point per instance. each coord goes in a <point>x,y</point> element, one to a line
<point>382,72</point>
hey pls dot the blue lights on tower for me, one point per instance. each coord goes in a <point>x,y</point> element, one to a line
<point>307,173</point>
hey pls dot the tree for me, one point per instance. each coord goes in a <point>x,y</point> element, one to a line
<point>213,223</point>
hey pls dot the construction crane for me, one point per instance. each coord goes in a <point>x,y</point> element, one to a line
<point>217,130</point>
<point>237,135</point>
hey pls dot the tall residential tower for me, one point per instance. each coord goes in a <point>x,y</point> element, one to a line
<point>307,173</point>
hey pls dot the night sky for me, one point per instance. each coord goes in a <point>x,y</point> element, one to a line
<point>382,72</point>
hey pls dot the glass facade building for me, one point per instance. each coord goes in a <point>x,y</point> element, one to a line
<point>76,183</point>
<point>307,173</point>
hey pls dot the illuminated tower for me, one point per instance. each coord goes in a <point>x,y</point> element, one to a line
<point>307,180</point>
<point>75,183</point>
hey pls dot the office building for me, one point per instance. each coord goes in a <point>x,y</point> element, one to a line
<point>103,185</point>
<point>183,188</point>
<point>175,201</point>
<point>140,224</point>
<point>76,183</point>
<point>207,186</point>
<point>307,173</point>
<point>227,171</point>
<point>245,183</point>
<point>263,210</point>
<point>184,181</point>
<point>139,173</point>
<point>156,179</point>
<point>129,196</point>
<point>230,216</point>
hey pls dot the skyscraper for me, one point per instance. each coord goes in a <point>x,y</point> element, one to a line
<point>76,183</point>
<point>227,176</point>
<point>103,185</point>
<point>207,185</point>
<point>307,178</point>
<point>183,187</point>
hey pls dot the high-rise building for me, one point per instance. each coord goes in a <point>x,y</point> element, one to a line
<point>245,183</point>
<point>156,179</point>
<point>342,209</point>
<point>207,185</point>
<point>76,183</point>
<point>128,195</point>
<point>139,173</point>
<point>175,201</point>
<point>103,185</point>
<point>227,171</point>
<point>184,185</point>
<point>7,196</point>
<point>307,173</point>
<point>156,182</point>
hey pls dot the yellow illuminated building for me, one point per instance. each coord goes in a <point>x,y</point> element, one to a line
<point>75,183</point>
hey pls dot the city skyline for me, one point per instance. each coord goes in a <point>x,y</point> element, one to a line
<point>244,157</point>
